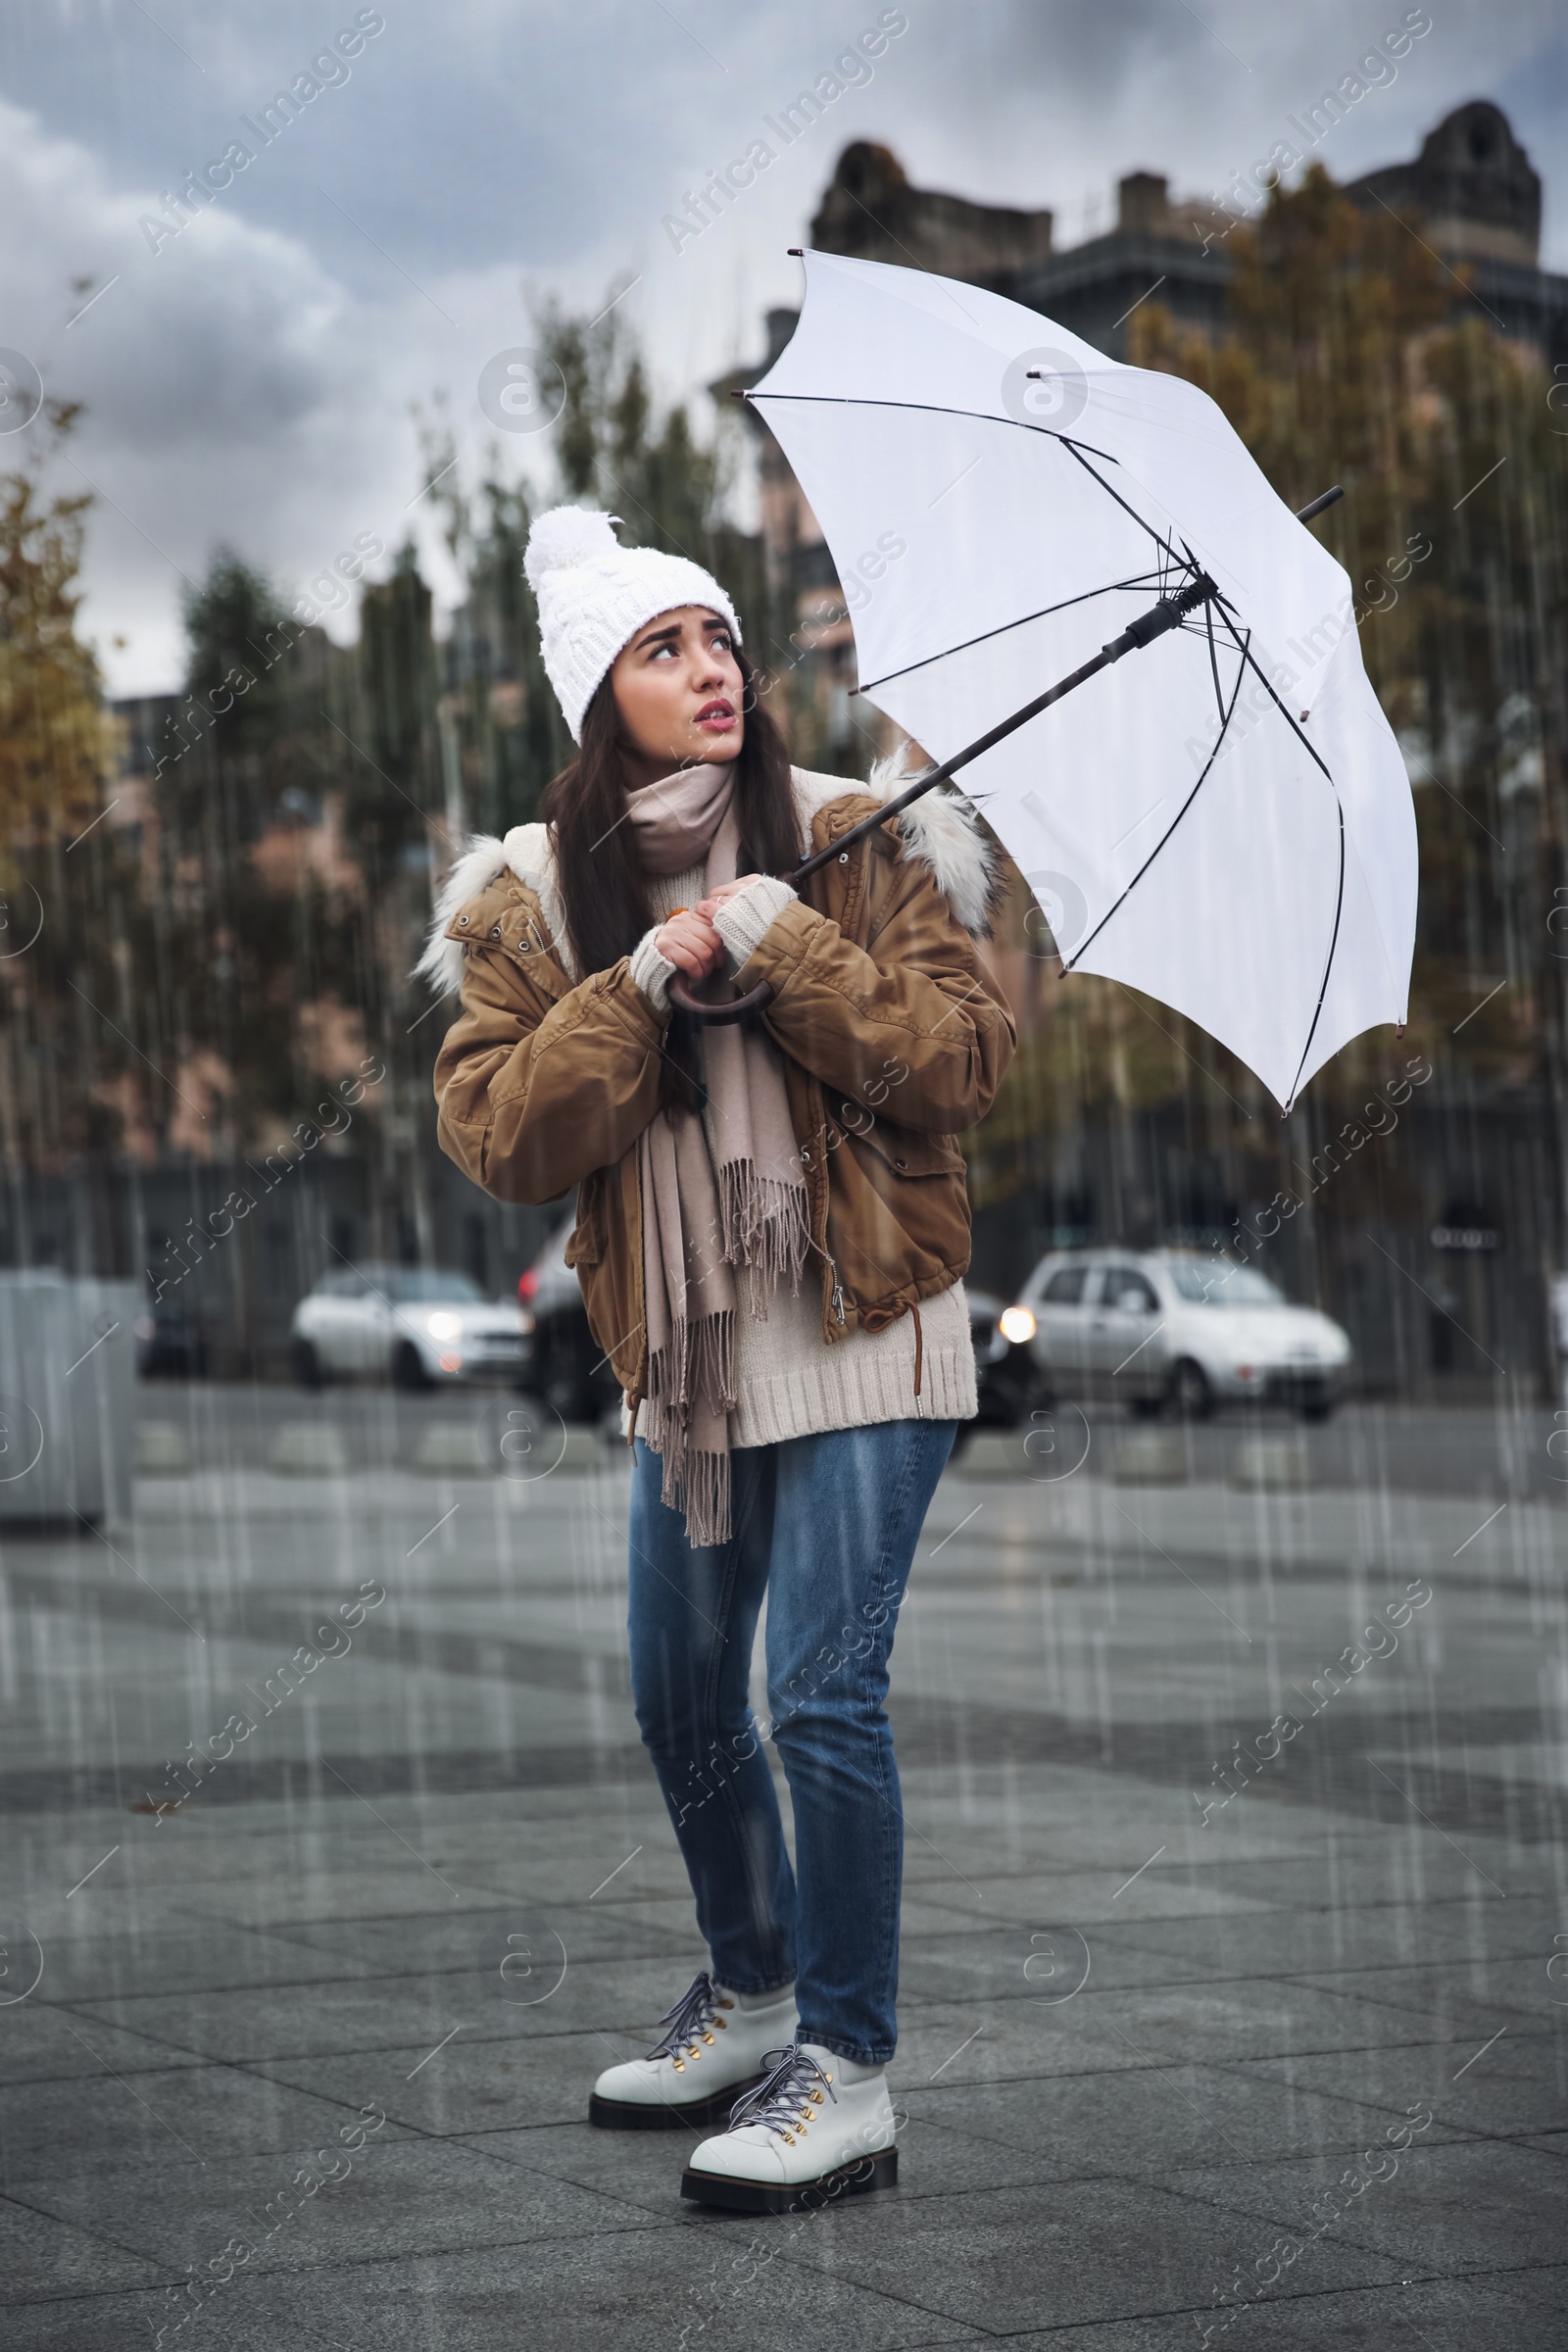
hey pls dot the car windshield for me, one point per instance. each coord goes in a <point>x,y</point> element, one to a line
<point>423,1286</point>
<point>1220,1285</point>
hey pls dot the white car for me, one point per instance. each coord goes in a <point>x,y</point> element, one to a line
<point>1174,1327</point>
<point>412,1323</point>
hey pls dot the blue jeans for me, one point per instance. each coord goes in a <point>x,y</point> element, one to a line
<point>826,1525</point>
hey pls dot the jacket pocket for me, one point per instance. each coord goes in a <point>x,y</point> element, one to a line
<point>903,1150</point>
<point>897,1215</point>
<point>587,1244</point>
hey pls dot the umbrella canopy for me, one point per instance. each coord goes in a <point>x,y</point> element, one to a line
<point>1223,819</point>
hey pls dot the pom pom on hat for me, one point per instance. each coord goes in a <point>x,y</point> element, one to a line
<point>568,536</point>
<point>594,595</point>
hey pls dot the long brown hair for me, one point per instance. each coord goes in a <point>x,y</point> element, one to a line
<point>603,890</point>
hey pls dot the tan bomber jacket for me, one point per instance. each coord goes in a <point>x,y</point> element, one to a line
<point>895,1039</point>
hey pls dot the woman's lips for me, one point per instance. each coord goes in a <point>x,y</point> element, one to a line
<point>717,717</point>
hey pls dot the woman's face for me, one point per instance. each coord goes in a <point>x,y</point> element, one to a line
<point>677,687</point>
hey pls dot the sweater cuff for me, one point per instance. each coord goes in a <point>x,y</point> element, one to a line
<point>742,920</point>
<point>652,971</point>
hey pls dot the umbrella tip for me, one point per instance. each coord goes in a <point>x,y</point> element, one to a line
<point>734,395</point>
<point>797,253</point>
<point>1317,506</point>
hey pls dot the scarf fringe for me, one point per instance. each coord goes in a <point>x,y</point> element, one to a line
<point>766,1226</point>
<point>698,1484</point>
<point>699,1362</point>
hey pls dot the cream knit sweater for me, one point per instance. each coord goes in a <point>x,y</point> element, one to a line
<point>789,1380</point>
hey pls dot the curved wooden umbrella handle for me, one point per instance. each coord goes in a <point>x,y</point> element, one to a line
<point>712,1016</point>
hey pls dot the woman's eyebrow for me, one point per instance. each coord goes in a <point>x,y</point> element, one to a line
<point>659,636</point>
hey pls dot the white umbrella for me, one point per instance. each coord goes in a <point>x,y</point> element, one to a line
<point>1224,823</point>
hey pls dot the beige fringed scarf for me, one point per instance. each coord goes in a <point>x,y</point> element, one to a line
<point>721,1188</point>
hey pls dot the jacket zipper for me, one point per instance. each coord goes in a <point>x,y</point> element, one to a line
<point>838,1294</point>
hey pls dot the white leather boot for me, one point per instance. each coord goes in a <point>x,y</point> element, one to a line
<point>801,2138</point>
<point>712,2051</point>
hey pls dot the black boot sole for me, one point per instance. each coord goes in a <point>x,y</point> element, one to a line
<point>632,2115</point>
<point>864,2173</point>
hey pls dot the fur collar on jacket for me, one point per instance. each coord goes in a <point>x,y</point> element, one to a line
<point>940,831</point>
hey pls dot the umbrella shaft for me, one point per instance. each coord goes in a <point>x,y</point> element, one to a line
<point>1168,613</point>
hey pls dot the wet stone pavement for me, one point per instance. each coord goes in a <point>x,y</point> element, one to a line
<point>1235,1977</point>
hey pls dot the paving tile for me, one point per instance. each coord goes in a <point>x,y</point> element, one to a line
<point>639,2168</point>
<point>622,1998</point>
<point>41,2041</point>
<point>632,2291</point>
<point>1398,1869</point>
<point>1148,2121</point>
<point>1519,2086</point>
<point>1457,2206</point>
<point>1447,2315</point>
<point>279,1898</point>
<point>989,1960</point>
<point>1371,1935</point>
<point>1250,2019</point>
<point>1000,2042</point>
<point>429,1942</point>
<point>1061,2253</point>
<point>1457,1998</point>
<point>198,1956</point>
<point>471,2086</point>
<point>1042,1899</point>
<point>42,2255</point>
<point>397,2197</point>
<point>96,2125</point>
<point>277,2021</point>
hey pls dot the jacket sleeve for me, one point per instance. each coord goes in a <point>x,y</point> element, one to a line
<point>916,1011</point>
<point>534,1092</point>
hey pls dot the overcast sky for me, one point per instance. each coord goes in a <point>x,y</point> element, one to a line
<point>252,380</point>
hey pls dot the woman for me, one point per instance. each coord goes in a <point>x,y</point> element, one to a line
<point>772,1229</point>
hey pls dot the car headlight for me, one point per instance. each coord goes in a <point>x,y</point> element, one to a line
<point>1018,1324</point>
<point>444,1325</point>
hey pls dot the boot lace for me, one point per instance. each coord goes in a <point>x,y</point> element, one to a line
<point>693,2022</point>
<point>788,2101</point>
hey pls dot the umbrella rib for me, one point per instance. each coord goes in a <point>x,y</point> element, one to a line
<point>1070,964</point>
<point>1333,942</point>
<point>1248,662</point>
<point>1213,661</point>
<point>928,408</point>
<point>1109,589</point>
<point>933,408</point>
<point>1142,525</point>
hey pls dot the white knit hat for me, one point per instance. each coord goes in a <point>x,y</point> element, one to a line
<point>595,595</point>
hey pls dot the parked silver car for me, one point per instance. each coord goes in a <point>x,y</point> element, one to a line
<point>415,1324</point>
<point>1174,1327</point>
